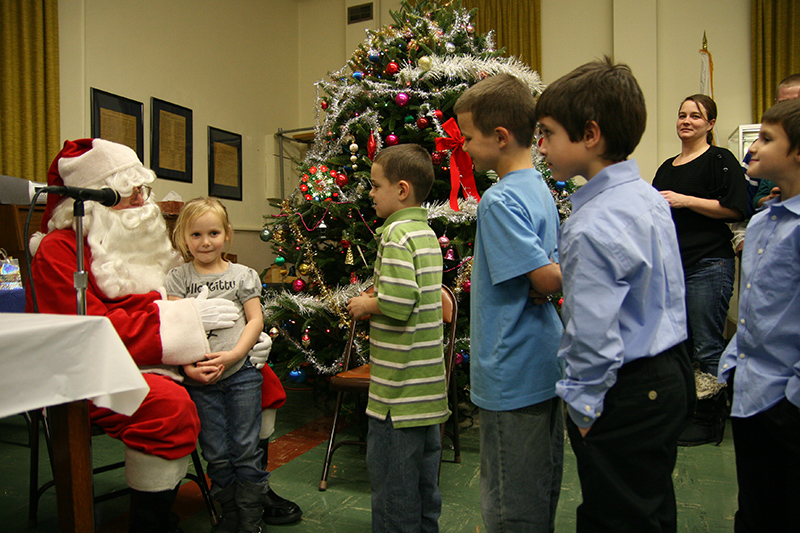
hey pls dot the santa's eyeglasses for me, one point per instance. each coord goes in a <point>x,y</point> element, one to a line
<point>143,190</point>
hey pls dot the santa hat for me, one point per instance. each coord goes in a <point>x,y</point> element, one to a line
<point>85,163</point>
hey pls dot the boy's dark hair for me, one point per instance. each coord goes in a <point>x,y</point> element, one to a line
<point>501,101</point>
<point>787,114</point>
<point>602,92</point>
<point>707,107</point>
<point>410,162</point>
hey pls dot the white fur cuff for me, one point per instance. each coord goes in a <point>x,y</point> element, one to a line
<point>148,473</point>
<point>183,339</point>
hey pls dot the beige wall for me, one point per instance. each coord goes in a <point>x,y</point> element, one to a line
<point>249,66</point>
<point>234,64</point>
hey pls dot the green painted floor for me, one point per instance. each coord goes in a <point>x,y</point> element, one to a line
<point>705,483</point>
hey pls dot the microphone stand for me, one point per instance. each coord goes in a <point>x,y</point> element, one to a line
<point>80,278</point>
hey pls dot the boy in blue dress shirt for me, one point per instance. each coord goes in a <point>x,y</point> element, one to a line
<point>765,351</point>
<point>514,341</point>
<point>628,382</point>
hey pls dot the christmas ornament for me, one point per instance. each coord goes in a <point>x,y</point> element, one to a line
<point>323,229</point>
<point>374,56</point>
<point>283,272</point>
<point>438,114</point>
<point>358,75</point>
<point>303,268</point>
<point>560,185</point>
<point>423,123</point>
<point>273,332</point>
<point>425,63</point>
<point>470,29</point>
<point>372,146</point>
<point>304,187</point>
<point>306,340</point>
<point>450,255</point>
<point>401,99</point>
<point>324,104</point>
<point>298,285</point>
<point>465,357</point>
<point>391,139</point>
<point>348,258</point>
<point>266,235</point>
<point>408,119</point>
<point>353,278</point>
<point>444,242</point>
<point>437,158</point>
<point>297,375</point>
<point>392,68</point>
<point>280,261</point>
<point>341,180</point>
<point>459,358</point>
<point>353,148</point>
<point>450,47</point>
<point>466,286</point>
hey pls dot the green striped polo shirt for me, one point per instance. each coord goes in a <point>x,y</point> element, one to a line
<point>407,373</point>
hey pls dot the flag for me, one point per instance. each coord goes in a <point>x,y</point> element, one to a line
<point>706,70</point>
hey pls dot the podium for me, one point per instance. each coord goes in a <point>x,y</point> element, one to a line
<point>61,362</point>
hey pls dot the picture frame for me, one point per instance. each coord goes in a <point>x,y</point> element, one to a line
<point>171,140</point>
<point>118,119</point>
<point>224,164</point>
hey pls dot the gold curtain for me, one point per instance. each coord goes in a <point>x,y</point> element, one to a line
<point>517,25</point>
<point>30,128</point>
<point>775,31</point>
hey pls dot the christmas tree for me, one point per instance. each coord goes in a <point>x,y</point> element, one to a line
<point>399,87</point>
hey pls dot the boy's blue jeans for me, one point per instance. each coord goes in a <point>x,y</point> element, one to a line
<point>403,469</point>
<point>709,287</point>
<point>230,420</point>
<point>522,458</point>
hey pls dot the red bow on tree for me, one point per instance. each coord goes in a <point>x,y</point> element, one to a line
<point>460,163</point>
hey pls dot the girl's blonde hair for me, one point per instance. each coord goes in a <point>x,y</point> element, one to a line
<point>191,211</point>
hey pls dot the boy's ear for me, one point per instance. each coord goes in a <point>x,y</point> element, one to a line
<point>404,189</point>
<point>502,135</point>
<point>591,134</point>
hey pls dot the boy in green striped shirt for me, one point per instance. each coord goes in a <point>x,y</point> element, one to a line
<point>407,391</point>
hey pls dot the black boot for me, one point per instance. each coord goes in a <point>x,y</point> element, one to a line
<point>151,512</point>
<point>259,506</point>
<point>229,522</point>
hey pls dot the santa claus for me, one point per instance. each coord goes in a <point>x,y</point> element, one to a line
<point>127,255</point>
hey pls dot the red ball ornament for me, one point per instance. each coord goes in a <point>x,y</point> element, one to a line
<point>345,243</point>
<point>438,114</point>
<point>467,286</point>
<point>341,180</point>
<point>437,158</point>
<point>392,139</point>
<point>392,68</point>
<point>401,99</point>
<point>444,242</point>
<point>423,123</point>
<point>323,104</point>
<point>298,285</point>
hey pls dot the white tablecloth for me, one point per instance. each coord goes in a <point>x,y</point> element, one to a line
<point>53,359</point>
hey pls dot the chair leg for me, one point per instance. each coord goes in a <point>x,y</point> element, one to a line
<point>32,419</point>
<point>323,483</point>
<point>200,478</point>
<point>454,401</point>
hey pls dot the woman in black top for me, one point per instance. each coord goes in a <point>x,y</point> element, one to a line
<point>706,188</point>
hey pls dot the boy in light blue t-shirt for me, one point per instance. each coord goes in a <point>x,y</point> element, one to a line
<point>514,339</point>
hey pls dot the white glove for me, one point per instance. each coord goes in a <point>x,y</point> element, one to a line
<point>216,313</point>
<point>260,351</point>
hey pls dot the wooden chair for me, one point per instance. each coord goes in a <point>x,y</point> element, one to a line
<point>36,418</point>
<point>357,380</point>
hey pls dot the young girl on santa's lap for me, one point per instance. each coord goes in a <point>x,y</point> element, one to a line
<point>226,387</point>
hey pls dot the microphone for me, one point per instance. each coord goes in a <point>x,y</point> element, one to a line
<point>105,196</point>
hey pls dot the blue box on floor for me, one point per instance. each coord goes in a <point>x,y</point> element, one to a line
<point>12,301</point>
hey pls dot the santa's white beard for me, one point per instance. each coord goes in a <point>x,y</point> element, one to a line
<point>131,252</point>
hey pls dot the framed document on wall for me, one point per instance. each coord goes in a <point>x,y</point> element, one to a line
<point>118,119</point>
<point>224,164</point>
<point>171,141</point>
